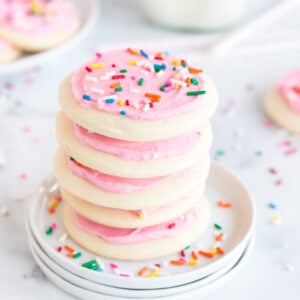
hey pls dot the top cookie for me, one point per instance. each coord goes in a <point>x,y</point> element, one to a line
<point>138,95</point>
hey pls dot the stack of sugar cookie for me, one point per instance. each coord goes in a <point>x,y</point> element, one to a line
<point>35,25</point>
<point>282,102</point>
<point>134,138</point>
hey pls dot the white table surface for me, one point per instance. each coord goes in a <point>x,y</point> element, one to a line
<point>28,103</point>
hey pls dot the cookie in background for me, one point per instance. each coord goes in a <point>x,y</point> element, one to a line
<point>34,26</point>
<point>282,102</point>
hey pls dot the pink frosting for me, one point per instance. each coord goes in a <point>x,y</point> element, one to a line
<point>91,85</point>
<point>121,184</point>
<point>53,16</point>
<point>5,46</point>
<point>289,88</point>
<point>134,235</point>
<point>138,150</point>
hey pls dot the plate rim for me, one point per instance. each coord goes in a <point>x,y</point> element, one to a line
<point>219,282</point>
<point>150,293</point>
<point>157,281</point>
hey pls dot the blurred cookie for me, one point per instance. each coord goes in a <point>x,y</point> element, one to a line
<point>282,102</point>
<point>36,25</point>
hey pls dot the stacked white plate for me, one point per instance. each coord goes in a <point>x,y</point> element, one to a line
<point>120,279</point>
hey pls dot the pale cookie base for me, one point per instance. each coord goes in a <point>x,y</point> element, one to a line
<point>125,128</point>
<point>8,56</point>
<point>127,219</point>
<point>141,250</point>
<point>113,165</point>
<point>280,113</point>
<point>163,193</point>
<point>34,43</point>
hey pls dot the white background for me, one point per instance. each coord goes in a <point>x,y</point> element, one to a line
<point>27,113</point>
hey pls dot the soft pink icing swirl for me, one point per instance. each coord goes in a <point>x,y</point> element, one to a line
<point>55,16</point>
<point>138,150</point>
<point>5,46</point>
<point>121,184</point>
<point>96,84</point>
<point>134,235</point>
<point>289,88</point>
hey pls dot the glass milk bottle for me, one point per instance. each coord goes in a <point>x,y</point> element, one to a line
<point>194,14</point>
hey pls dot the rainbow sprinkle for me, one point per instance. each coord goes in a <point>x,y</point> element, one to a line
<point>92,265</point>
<point>35,7</point>
<point>195,93</point>
<point>141,81</point>
<point>54,203</point>
<point>86,97</point>
<point>144,53</point>
<point>217,226</point>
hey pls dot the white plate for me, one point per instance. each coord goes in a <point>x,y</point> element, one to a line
<point>88,11</point>
<point>99,287</point>
<point>193,292</point>
<point>237,223</point>
<point>121,292</point>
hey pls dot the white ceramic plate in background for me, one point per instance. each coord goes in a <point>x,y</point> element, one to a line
<point>88,12</point>
<point>237,222</point>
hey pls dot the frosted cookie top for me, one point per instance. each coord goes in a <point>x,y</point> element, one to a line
<point>140,84</point>
<point>37,16</point>
<point>289,88</point>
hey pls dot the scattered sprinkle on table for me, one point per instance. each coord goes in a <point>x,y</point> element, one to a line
<point>272,205</point>
<point>276,219</point>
